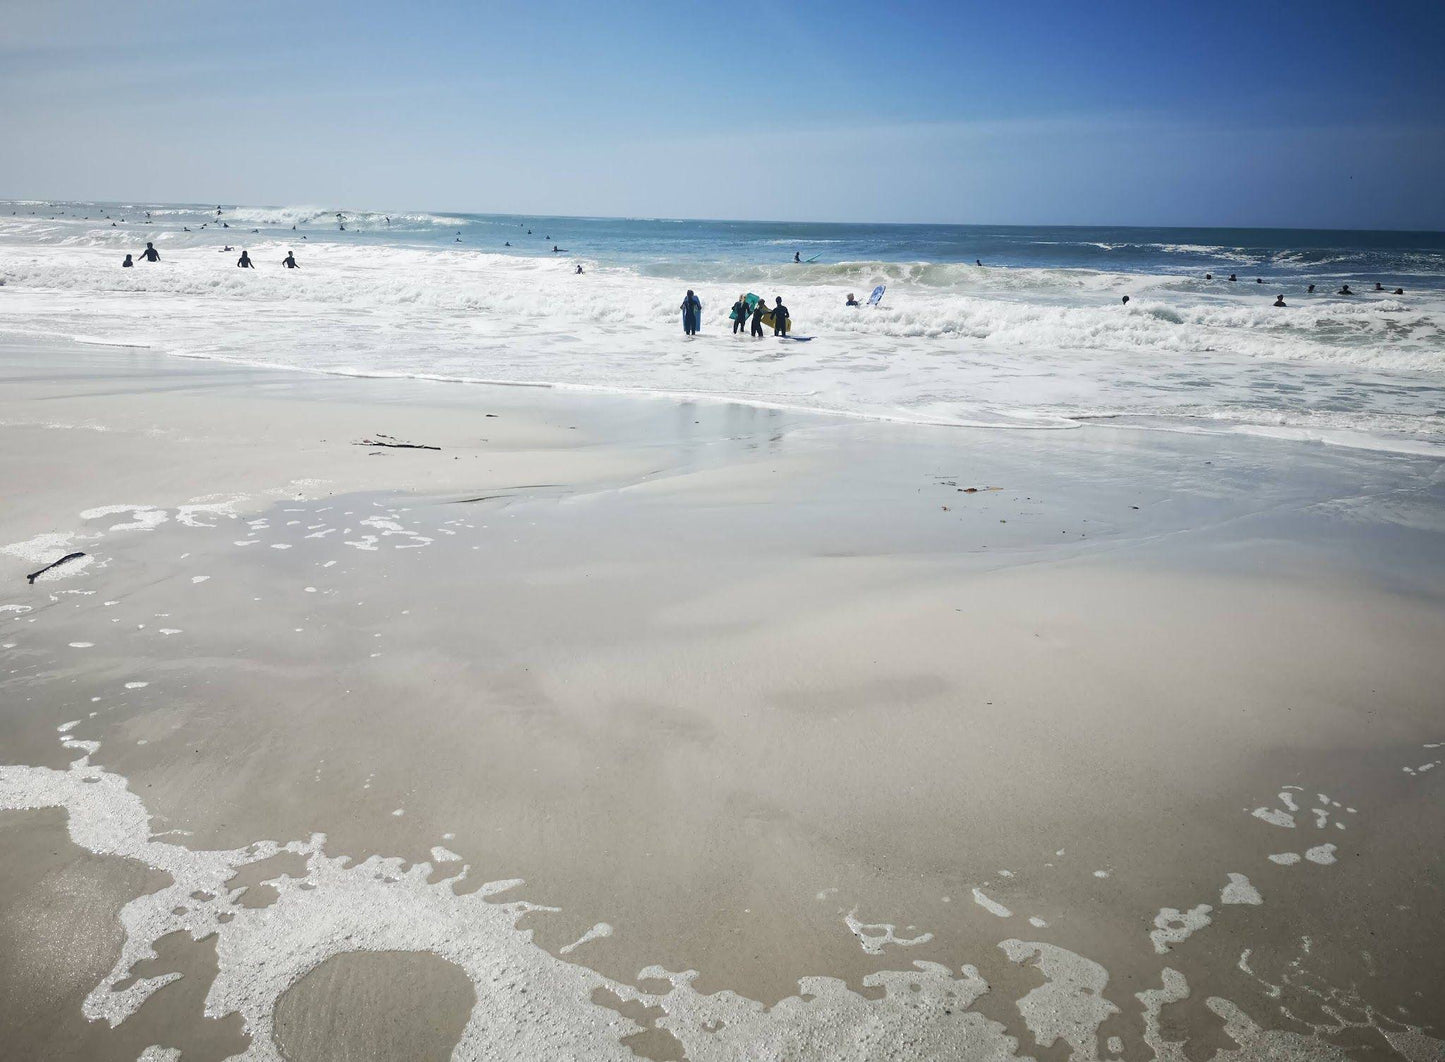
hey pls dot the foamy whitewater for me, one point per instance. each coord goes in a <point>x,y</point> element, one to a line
<point>1037,337</point>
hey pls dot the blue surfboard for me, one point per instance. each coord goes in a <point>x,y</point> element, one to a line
<point>877,296</point>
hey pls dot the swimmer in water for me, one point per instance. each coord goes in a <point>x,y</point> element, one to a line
<point>127,264</point>
<point>1232,278</point>
<point>244,262</point>
<point>290,260</point>
<point>1378,287</point>
<point>579,270</point>
<point>977,262</point>
<point>1345,290</point>
<point>150,254</point>
<point>507,244</point>
<point>798,257</point>
<point>851,300</point>
<point>1126,300</point>
<point>1279,301</point>
<point>1399,291</point>
<point>1312,289</point>
<point>1208,276</point>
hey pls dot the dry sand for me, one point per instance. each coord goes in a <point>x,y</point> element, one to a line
<point>1133,756</point>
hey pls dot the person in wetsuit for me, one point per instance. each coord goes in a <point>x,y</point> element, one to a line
<point>691,310</point>
<point>1279,301</point>
<point>127,264</point>
<point>150,254</point>
<point>1126,300</point>
<point>740,314</point>
<point>851,300</point>
<point>244,262</point>
<point>1312,289</point>
<point>798,257</point>
<point>1345,290</point>
<point>1232,278</point>
<point>757,328</point>
<point>290,260</point>
<point>579,269</point>
<point>780,317</point>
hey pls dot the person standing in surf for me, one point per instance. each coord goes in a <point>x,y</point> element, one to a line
<point>244,262</point>
<point>780,317</point>
<point>691,313</point>
<point>740,314</point>
<point>758,308</point>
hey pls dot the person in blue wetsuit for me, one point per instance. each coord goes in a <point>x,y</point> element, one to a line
<point>691,313</point>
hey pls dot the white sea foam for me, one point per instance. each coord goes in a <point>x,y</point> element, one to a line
<point>993,907</point>
<point>1173,926</point>
<point>1240,891</point>
<point>950,344</point>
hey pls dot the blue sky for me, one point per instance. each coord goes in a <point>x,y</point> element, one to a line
<point>1308,114</point>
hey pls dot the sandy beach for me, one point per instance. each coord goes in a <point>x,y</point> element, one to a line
<point>619,727</point>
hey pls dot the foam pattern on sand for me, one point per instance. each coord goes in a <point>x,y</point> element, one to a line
<point>533,1005</point>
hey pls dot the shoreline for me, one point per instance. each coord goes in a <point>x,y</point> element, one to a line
<point>1179,424</point>
<point>768,695</point>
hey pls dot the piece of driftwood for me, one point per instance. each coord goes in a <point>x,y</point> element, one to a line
<point>55,564</point>
<point>396,445</point>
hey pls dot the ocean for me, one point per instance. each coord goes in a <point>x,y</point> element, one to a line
<point>1037,337</point>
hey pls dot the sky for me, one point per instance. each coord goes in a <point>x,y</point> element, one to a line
<point>1314,115</point>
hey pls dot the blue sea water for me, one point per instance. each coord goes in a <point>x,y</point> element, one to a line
<point>707,249</point>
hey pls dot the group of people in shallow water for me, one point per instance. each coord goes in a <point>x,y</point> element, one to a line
<point>742,313</point>
<point>150,254</point>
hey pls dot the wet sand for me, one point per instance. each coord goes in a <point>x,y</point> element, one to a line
<point>757,695</point>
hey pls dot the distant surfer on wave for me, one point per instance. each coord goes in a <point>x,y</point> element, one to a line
<point>691,312</point>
